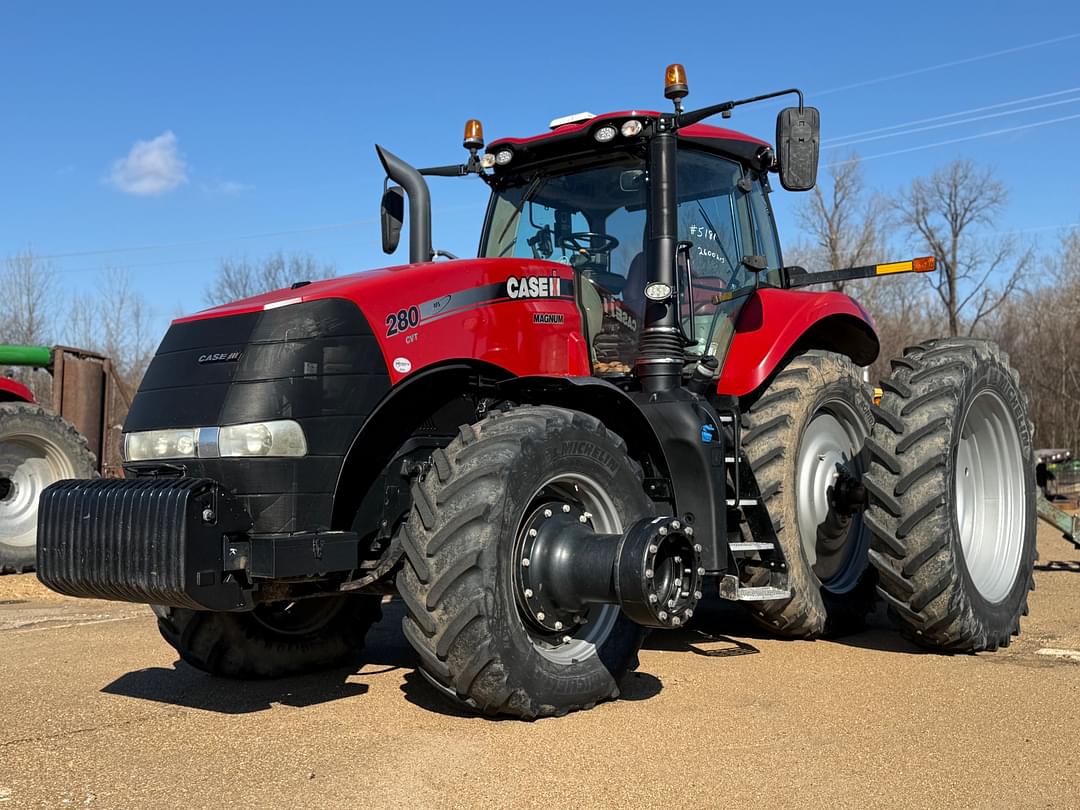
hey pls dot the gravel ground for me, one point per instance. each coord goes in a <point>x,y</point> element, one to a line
<point>96,711</point>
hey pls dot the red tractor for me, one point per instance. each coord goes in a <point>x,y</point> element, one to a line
<point>626,400</point>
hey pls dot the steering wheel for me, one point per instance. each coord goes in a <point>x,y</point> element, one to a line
<point>589,242</point>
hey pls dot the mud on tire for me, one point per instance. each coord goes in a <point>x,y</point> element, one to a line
<point>458,581</point>
<point>952,496</point>
<point>274,640</point>
<point>814,385</point>
<point>37,448</point>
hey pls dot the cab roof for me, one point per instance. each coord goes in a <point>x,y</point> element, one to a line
<point>562,139</point>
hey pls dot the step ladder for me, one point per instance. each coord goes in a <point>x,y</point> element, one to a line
<point>745,498</point>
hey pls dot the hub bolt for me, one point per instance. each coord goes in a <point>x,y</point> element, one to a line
<point>648,573</point>
<point>525,562</point>
<point>587,515</point>
<point>583,519</point>
<point>697,594</point>
<point>558,625</point>
<point>566,507</point>
<point>547,513</point>
<point>689,532</point>
<point>700,571</point>
<point>653,597</point>
<point>662,531</point>
<point>528,593</point>
<point>689,614</point>
<point>697,547</point>
<point>675,620</point>
<point>208,515</point>
<point>540,615</point>
<point>662,615</point>
<point>675,524</point>
<point>653,549</point>
<point>532,532</point>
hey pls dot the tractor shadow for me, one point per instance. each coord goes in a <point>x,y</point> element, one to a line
<point>385,651</point>
<point>1068,566</point>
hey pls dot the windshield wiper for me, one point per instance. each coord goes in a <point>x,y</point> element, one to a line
<point>529,191</point>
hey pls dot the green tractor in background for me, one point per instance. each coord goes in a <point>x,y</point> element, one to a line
<point>40,446</point>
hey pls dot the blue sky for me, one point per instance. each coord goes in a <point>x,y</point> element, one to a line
<point>257,120</point>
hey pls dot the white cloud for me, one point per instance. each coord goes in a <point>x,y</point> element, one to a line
<point>150,168</point>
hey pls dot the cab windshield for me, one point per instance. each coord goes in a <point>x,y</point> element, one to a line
<point>594,220</point>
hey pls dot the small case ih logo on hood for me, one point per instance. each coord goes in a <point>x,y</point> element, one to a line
<point>218,357</point>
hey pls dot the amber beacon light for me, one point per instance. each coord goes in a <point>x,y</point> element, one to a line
<point>474,134</point>
<point>675,86</point>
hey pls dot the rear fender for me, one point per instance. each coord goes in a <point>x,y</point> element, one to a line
<point>774,324</point>
<point>11,391</point>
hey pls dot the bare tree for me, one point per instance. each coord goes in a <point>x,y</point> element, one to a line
<point>27,310</point>
<point>27,305</point>
<point>243,278</point>
<point>940,213</point>
<point>843,223</point>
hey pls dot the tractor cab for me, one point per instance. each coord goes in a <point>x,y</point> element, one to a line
<point>578,196</point>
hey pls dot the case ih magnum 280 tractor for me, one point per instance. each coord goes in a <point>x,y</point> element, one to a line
<point>625,400</point>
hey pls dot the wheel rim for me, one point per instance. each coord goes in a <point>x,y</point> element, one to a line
<point>834,543</point>
<point>991,507</point>
<point>301,617</point>
<point>28,464</point>
<point>584,492</point>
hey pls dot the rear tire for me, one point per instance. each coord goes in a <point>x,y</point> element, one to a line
<point>274,640</point>
<point>814,416</point>
<point>37,448</point>
<point>475,642</point>
<point>952,496</point>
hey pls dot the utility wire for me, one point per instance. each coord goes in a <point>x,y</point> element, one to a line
<point>972,111</point>
<point>956,140</point>
<point>943,65</point>
<point>958,122</point>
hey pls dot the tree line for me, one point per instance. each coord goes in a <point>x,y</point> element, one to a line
<point>989,282</point>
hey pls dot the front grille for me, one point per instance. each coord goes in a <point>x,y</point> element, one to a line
<point>153,540</point>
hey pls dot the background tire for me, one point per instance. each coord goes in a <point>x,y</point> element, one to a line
<point>815,414</point>
<point>952,496</point>
<point>474,641</point>
<point>274,640</point>
<point>37,448</point>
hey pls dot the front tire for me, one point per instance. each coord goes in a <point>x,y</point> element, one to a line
<point>808,426</point>
<point>952,496</point>
<point>466,619</point>
<point>274,640</point>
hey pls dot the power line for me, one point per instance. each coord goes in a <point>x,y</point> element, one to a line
<point>971,111</point>
<point>958,122</point>
<point>943,65</point>
<point>218,240</point>
<point>957,140</point>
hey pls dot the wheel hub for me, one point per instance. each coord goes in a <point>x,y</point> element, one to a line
<point>565,567</point>
<point>7,489</point>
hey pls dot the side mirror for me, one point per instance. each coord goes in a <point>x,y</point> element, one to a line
<point>798,143</point>
<point>392,215</point>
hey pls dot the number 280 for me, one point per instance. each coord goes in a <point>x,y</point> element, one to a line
<point>402,321</point>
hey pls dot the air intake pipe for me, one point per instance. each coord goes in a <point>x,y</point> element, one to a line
<point>419,203</point>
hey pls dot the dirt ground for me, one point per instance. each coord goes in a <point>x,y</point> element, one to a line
<point>95,710</point>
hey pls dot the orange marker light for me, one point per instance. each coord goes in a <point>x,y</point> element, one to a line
<point>924,264</point>
<point>474,134</point>
<point>675,85</point>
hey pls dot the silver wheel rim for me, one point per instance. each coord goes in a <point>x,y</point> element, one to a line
<point>832,441</point>
<point>28,464</point>
<point>585,492</point>
<point>991,508</point>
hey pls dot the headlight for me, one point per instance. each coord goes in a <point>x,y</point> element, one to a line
<point>281,437</point>
<point>152,444</point>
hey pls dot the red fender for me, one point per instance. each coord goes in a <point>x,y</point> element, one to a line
<point>11,391</point>
<point>773,322</point>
